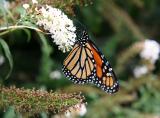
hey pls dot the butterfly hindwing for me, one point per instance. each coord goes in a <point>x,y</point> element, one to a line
<point>105,76</point>
<point>86,64</point>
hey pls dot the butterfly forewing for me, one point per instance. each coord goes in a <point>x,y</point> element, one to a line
<point>78,66</point>
<point>85,63</point>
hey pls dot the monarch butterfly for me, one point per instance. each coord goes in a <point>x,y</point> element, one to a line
<point>86,64</point>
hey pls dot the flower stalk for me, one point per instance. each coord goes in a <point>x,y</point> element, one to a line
<point>5,30</point>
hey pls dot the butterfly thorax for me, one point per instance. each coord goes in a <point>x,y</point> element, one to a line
<point>83,40</point>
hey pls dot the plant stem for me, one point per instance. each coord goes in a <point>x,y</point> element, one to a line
<point>8,29</point>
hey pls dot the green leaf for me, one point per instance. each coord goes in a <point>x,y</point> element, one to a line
<point>28,34</point>
<point>8,55</point>
<point>46,61</point>
<point>44,115</point>
<point>28,23</point>
<point>10,113</point>
<point>44,42</point>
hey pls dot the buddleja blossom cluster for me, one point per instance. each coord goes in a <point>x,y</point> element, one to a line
<point>140,70</point>
<point>77,110</point>
<point>32,101</point>
<point>56,74</point>
<point>59,26</point>
<point>151,51</point>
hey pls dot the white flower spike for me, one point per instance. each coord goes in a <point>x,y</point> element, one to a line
<point>26,6</point>
<point>140,71</point>
<point>6,4</point>
<point>34,1</point>
<point>60,27</point>
<point>55,74</point>
<point>151,51</point>
<point>82,110</point>
<point>77,110</point>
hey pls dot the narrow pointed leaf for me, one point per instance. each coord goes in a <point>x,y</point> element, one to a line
<point>8,55</point>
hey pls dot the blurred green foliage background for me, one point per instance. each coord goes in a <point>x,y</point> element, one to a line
<point>115,26</point>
